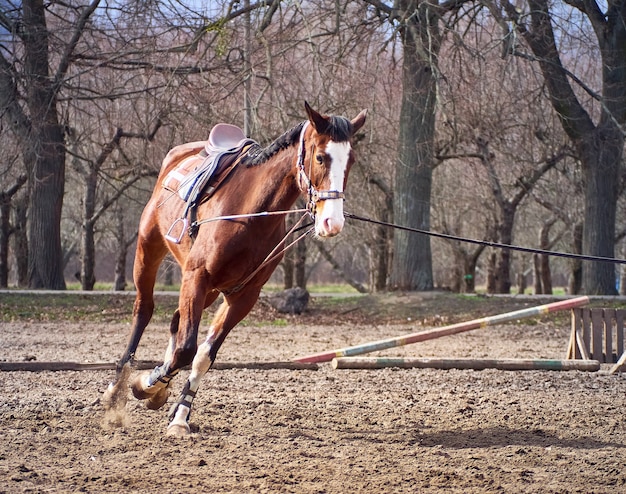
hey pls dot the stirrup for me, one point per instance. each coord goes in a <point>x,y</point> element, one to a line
<point>183,229</point>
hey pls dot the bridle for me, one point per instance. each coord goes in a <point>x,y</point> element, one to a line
<point>313,194</point>
<point>313,197</point>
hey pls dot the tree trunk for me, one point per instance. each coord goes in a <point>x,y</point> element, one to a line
<point>288,270</point>
<point>544,260</point>
<point>622,284</point>
<point>412,258</point>
<point>5,233</point>
<point>88,257</point>
<point>380,255</point>
<point>465,268</point>
<point>469,273</point>
<point>600,146</point>
<point>378,260</point>
<point>469,278</point>
<point>20,240</point>
<point>6,197</point>
<point>45,261</point>
<point>503,263</point>
<point>601,155</point>
<point>170,270</point>
<point>122,251</point>
<point>491,273</point>
<point>288,262</point>
<point>47,170</point>
<point>576,265</point>
<point>537,274</point>
<point>300,264</point>
<point>521,282</point>
<point>88,247</point>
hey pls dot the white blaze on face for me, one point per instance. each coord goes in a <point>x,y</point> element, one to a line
<point>330,219</point>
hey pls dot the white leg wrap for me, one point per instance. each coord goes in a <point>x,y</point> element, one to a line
<point>169,351</point>
<point>180,420</point>
<point>200,365</point>
<point>182,409</point>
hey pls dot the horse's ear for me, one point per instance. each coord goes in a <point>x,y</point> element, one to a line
<point>320,124</point>
<point>358,121</point>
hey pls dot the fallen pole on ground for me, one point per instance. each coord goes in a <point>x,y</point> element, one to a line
<point>464,363</point>
<point>444,331</point>
<point>35,366</point>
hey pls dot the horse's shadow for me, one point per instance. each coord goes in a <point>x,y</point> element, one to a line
<point>503,436</point>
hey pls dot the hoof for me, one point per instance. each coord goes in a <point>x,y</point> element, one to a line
<point>142,393</point>
<point>114,398</point>
<point>178,430</point>
<point>136,386</point>
<point>159,399</point>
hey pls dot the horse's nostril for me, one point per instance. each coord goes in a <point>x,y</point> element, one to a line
<point>331,227</point>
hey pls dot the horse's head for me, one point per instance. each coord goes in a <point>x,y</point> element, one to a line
<point>325,158</point>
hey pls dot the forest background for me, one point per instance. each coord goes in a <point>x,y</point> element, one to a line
<point>496,120</point>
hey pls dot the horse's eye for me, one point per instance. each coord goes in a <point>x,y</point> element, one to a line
<point>319,158</point>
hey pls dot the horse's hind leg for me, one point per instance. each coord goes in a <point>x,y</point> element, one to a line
<point>153,386</point>
<point>234,308</point>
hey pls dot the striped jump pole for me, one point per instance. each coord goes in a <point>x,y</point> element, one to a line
<point>512,364</point>
<point>431,334</point>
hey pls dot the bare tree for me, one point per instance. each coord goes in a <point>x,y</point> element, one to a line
<point>6,230</point>
<point>593,119</point>
<point>36,123</point>
<point>91,171</point>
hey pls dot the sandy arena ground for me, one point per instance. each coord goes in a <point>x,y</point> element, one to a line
<point>315,431</point>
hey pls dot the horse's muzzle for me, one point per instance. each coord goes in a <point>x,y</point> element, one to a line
<point>329,226</point>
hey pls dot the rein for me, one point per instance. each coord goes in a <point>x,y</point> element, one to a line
<point>496,245</point>
<point>248,215</point>
<point>276,251</point>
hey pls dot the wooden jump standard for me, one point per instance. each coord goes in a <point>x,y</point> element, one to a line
<point>464,363</point>
<point>598,334</point>
<point>443,331</point>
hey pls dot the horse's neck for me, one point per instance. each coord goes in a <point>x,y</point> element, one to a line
<point>284,178</point>
<point>272,185</point>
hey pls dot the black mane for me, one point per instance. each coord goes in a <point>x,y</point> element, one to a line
<point>339,129</point>
<point>258,155</point>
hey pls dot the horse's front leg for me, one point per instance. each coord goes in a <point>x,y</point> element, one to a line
<point>234,308</point>
<point>153,386</point>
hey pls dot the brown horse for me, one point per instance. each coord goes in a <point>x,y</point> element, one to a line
<point>232,249</point>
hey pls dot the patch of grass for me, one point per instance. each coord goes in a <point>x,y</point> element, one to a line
<point>74,307</point>
<point>278,322</point>
<point>427,309</point>
<point>108,287</point>
<point>327,288</point>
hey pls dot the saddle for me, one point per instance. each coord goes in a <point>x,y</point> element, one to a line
<point>197,177</point>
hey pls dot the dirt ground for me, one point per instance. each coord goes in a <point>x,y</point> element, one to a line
<point>316,431</point>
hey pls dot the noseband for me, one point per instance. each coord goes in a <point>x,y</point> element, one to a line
<point>313,195</point>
